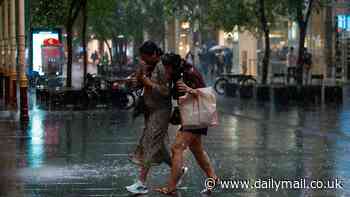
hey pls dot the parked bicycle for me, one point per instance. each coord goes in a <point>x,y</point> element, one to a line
<point>92,91</point>
<point>239,79</point>
<point>122,95</point>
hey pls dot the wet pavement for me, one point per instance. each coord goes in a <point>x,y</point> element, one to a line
<point>72,153</point>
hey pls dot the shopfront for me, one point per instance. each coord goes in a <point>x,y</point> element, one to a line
<point>342,43</point>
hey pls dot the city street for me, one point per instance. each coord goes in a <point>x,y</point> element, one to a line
<point>71,153</point>
<point>281,70</point>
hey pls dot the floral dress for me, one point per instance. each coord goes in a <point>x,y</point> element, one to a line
<point>152,146</point>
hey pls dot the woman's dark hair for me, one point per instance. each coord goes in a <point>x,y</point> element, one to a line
<point>150,48</point>
<point>171,59</point>
<point>175,61</point>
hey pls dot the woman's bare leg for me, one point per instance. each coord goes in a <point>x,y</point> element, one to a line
<point>143,174</point>
<point>166,156</point>
<point>182,141</point>
<point>201,156</point>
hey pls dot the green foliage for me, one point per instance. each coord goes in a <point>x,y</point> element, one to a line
<point>134,18</point>
<point>111,18</point>
<point>228,14</point>
<point>100,18</point>
<point>154,17</point>
<point>48,13</point>
<point>243,14</point>
<point>183,9</point>
<point>297,10</point>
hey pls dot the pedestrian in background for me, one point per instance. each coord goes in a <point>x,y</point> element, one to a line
<point>228,55</point>
<point>212,59</point>
<point>203,62</point>
<point>291,64</point>
<point>307,65</point>
<point>190,58</point>
<point>94,57</point>
<point>220,63</point>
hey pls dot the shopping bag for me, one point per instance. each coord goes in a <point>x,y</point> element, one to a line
<point>199,110</point>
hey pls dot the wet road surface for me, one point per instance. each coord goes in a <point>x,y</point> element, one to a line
<point>70,153</point>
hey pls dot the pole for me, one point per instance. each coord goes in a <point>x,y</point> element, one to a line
<point>22,66</point>
<point>6,49</point>
<point>13,44</point>
<point>2,71</point>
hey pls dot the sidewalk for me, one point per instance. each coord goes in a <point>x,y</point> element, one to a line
<point>70,154</point>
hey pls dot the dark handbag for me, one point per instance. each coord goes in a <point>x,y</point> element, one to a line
<point>175,118</point>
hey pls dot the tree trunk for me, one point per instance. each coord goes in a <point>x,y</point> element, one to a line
<point>299,72</point>
<point>109,48</point>
<point>265,27</point>
<point>69,30</point>
<point>302,22</point>
<point>266,59</point>
<point>84,41</point>
<point>114,61</point>
<point>73,14</point>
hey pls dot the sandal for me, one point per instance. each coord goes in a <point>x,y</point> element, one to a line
<point>166,191</point>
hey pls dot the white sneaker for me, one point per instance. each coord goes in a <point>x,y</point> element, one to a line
<point>184,172</point>
<point>206,192</point>
<point>137,188</point>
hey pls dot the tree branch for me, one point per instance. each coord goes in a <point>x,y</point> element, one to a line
<point>300,17</point>
<point>309,11</point>
<point>78,8</point>
<point>71,8</point>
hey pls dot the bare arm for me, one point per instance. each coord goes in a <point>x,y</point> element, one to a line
<point>158,84</point>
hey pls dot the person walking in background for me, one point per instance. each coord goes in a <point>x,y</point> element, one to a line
<point>291,64</point>
<point>220,63</point>
<point>203,62</point>
<point>228,55</point>
<point>94,57</point>
<point>190,58</point>
<point>307,65</point>
<point>212,65</point>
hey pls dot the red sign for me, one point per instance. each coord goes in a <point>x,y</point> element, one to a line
<point>51,42</point>
<point>51,52</point>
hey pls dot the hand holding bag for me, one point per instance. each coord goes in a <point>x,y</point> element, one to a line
<point>198,110</point>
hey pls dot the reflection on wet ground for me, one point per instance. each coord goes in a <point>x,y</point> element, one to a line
<point>70,153</point>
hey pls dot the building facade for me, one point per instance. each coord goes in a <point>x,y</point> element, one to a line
<point>12,55</point>
<point>248,49</point>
